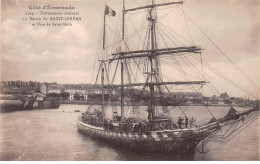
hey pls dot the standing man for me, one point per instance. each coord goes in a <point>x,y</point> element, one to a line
<point>192,121</point>
<point>186,121</point>
<point>179,122</point>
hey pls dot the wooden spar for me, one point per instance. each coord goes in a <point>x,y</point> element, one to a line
<point>122,91</point>
<point>157,83</point>
<point>158,50</point>
<point>225,119</point>
<point>123,24</point>
<point>152,6</point>
<point>104,32</point>
<point>197,50</point>
<point>122,67</point>
<point>102,64</point>
<point>103,92</point>
<point>221,120</point>
<point>150,56</point>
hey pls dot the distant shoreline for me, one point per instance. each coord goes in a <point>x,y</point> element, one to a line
<point>81,102</point>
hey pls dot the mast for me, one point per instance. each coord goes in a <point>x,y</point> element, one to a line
<point>122,65</point>
<point>122,91</point>
<point>123,19</point>
<point>152,29</point>
<point>103,92</point>
<point>104,32</point>
<point>102,65</point>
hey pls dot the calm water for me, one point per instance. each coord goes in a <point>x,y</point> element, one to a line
<point>53,135</point>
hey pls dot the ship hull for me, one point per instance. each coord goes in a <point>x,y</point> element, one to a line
<point>177,142</point>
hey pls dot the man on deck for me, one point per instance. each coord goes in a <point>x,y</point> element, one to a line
<point>186,121</point>
<point>179,122</point>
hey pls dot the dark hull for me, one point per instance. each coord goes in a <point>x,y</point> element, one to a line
<point>169,141</point>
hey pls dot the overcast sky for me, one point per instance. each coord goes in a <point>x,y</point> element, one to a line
<point>67,54</point>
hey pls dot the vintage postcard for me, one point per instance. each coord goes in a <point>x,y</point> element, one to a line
<point>129,80</point>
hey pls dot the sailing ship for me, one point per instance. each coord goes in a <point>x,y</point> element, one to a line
<point>158,133</point>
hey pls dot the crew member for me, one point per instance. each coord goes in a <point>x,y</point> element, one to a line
<point>180,122</point>
<point>186,121</point>
<point>192,121</point>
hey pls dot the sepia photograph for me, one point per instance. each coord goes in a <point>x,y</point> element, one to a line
<point>129,80</point>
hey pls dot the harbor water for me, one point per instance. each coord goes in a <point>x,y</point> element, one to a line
<point>53,135</point>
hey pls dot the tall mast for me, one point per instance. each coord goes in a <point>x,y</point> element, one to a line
<point>123,19</point>
<point>104,32</point>
<point>122,91</point>
<point>103,92</point>
<point>102,64</point>
<point>122,65</point>
<point>152,29</point>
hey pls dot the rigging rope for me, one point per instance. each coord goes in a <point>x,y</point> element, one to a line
<point>171,30</point>
<point>171,39</point>
<point>182,72</point>
<point>170,65</point>
<point>226,78</point>
<point>161,17</point>
<point>202,75</point>
<point>221,51</point>
<point>252,120</point>
<point>187,24</point>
